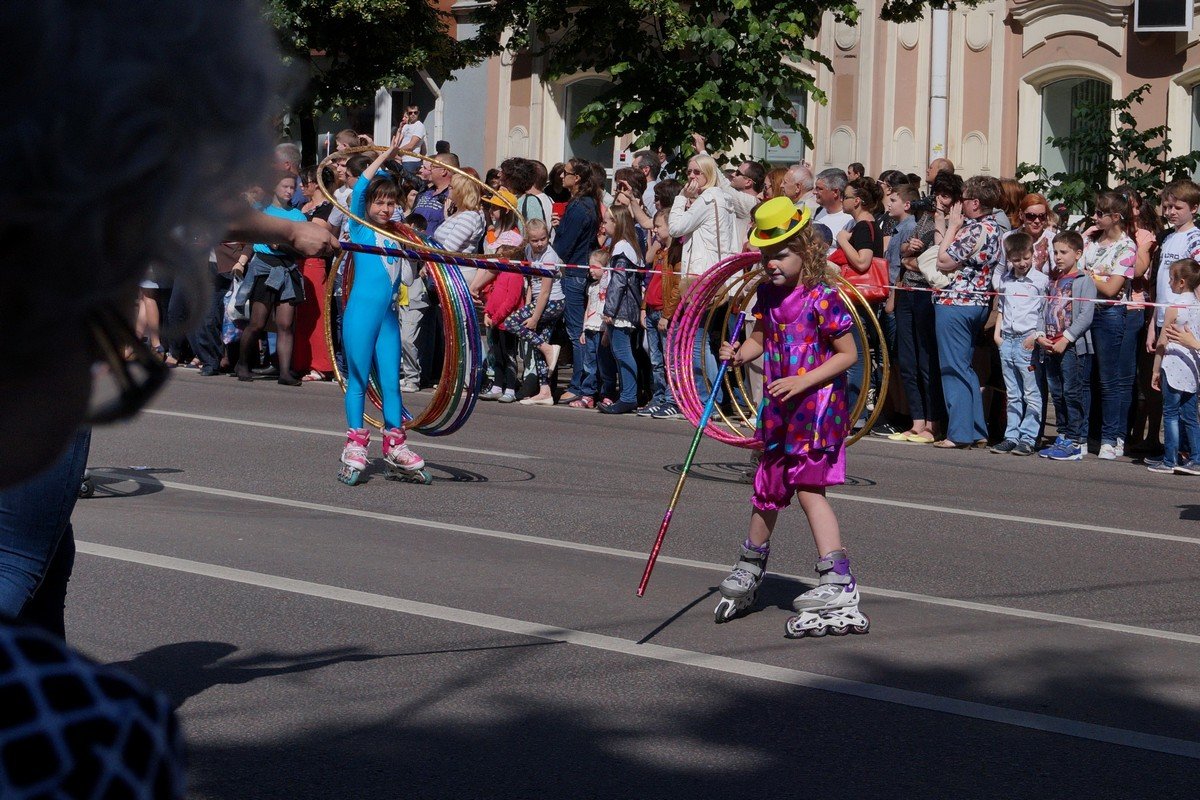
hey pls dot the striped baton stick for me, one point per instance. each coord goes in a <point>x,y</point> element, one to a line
<point>687,463</point>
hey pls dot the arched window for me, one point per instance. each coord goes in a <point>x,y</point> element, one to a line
<point>578,141</point>
<point>1059,100</point>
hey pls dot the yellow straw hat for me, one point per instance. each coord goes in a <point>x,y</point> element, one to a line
<point>776,220</point>
<point>502,198</point>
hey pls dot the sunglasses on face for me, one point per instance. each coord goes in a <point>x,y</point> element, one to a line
<point>1034,217</point>
<point>567,172</point>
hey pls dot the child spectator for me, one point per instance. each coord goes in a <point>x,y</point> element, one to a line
<point>1021,306</point>
<point>1066,354</point>
<point>595,337</point>
<point>623,304</point>
<point>1180,203</point>
<point>534,321</point>
<point>507,295</point>
<point>1177,370</point>
<point>1109,256</point>
<point>659,303</point>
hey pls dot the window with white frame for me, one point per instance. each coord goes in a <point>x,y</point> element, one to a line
<point>578,141</point>
<point>790,149</point>
<point>1059,101</point>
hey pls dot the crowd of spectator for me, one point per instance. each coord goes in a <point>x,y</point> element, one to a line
<point>985,322</point>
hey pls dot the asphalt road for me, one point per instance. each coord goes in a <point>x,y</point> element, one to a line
<point>1035,626</point>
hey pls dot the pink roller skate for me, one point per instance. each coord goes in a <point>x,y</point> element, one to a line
<point>354,456</point>
<point>402,463</point>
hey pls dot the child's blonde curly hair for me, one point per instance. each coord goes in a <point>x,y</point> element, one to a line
<point>812,251</point>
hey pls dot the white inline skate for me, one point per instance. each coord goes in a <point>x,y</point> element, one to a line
<point>832,605</point>
<point>402,463</point>
<point>354,456</point>
<point>741,587</point>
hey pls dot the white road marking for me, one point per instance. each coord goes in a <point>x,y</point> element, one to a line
<point>426,442</point>
<point>964,512</point>
<point>673,655</point>
<point>1049,523</point>
<point>1112,627</point>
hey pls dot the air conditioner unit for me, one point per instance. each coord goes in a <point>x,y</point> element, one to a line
<point>1162,16</point>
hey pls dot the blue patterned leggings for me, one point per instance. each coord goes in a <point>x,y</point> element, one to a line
<point>515,323</point>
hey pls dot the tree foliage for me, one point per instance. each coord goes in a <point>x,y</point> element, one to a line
<point>711,66</point>
<point>1124,154</point>
<point>349,48</point>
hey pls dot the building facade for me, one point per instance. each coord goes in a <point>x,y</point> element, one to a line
<point>983,86</point>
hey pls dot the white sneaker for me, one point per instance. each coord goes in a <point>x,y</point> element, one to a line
<point>1119,450</point>
<point>1108,452</point>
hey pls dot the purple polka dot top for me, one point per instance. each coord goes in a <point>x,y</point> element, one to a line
<point>798,327</point>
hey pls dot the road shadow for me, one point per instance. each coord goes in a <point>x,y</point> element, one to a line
<point>1189,511</point>
<point>457,473</point>
<point>511,724</point>
<point>118,482</point>
<point>185,669</point>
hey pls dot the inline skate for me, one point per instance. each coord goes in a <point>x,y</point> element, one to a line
<point>832,605</point>
<point>741,587</point>
<point>402,463</point>
<point>354,456</point>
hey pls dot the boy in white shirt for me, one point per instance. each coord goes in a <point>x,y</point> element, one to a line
<point>1021,306</point>
<point>1177,371</point>
<point>1180,202</point>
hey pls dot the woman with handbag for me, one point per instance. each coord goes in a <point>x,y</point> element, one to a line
<point>859,253</point>
<point>702,215</point>
<point>970,252</point>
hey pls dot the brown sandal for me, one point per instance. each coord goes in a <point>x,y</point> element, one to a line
<point>582,402</point>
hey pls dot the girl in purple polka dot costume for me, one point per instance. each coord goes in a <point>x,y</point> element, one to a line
<point>801,332</point>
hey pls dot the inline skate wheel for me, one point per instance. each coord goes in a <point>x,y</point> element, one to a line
<point>349,475</point>
<point>835,630</point>
<point>818,631</point>
<point>725,610</point>
<point>866,626</point>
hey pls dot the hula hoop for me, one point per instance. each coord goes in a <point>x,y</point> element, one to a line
<point>713,300</point>
<point>462,363</point>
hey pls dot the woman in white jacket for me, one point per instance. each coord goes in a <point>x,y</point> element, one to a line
<point>703,215</point>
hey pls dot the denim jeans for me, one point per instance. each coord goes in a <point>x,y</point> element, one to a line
<point>206,339</point>
<point>1116,333</point>
<point>656,342</point>
<point>37,543</point>
<point>574,288</point>
<point>1021,386</point>
<point>916,356</point>
<point>622,340</point>
<point>1179,411</point>
<point>957,329</point>
<point>598,373</point>
<point>1068,378</point>
<point>704,366</point>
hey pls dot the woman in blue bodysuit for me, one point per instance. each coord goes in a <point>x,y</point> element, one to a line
<point>371,327</point>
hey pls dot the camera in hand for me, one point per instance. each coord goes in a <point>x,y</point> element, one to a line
<point>924,205</point>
